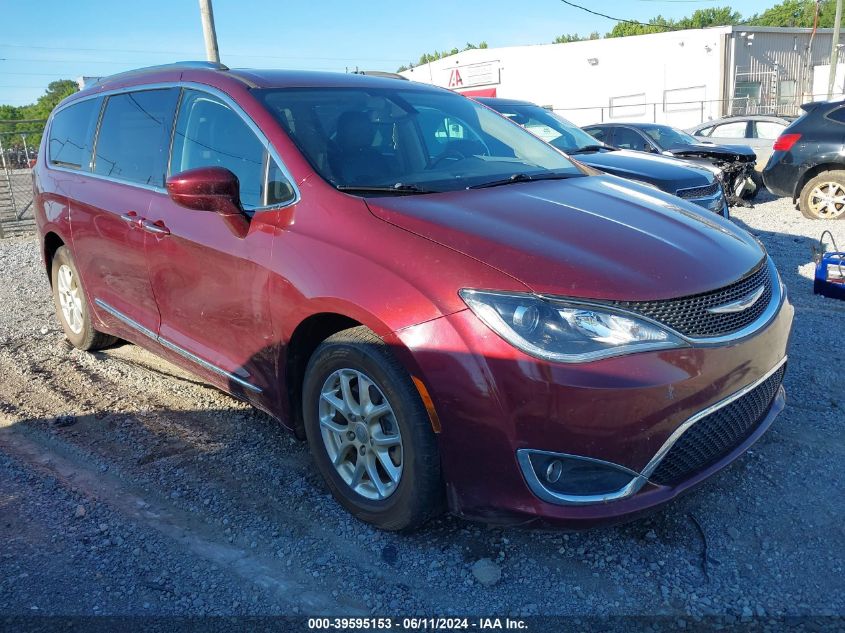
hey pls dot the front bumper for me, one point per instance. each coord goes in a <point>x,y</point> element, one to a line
<point>493,401</point>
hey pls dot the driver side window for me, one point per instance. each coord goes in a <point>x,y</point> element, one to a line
<point>210,134</point>
<point>625,138</point>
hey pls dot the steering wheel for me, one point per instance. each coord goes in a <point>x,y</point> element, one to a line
<point>449,153</point>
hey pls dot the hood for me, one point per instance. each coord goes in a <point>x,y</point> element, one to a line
<point>668,174</point>
<point>596,237</point>
<point>732,153</point>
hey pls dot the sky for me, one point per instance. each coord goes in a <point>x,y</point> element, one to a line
<point>64,39</point>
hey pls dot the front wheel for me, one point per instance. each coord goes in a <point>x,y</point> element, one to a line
<point>823,197</point>
<point>370,434</point>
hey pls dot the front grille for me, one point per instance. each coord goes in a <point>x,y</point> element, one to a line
<point>699,192</point>
<point>689,315</point>
<point>717,434</point>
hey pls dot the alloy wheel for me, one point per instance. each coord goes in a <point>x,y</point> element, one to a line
<point>827,200</point>
<point>69,298</point>
<point>361,434</point>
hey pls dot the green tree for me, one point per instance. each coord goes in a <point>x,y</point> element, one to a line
<point>700,19</point>
<point>575,37</point>
<point>800,13</point>
<point>40,110</point>
<point>426,58</point>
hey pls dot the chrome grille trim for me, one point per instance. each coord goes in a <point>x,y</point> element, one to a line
<point>691,316</point>
<point>704,191</point>
<point>642,478</point>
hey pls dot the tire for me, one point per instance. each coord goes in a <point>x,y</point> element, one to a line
<point>811,202</point>
<point>755,187</point>
<point>412,491</point>
<point>72,306</point>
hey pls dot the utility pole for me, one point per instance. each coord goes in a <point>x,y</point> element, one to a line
<point>834,49</point>
<point>208,32</point>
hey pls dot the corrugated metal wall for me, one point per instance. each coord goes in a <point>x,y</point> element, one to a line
<point>774,59</point>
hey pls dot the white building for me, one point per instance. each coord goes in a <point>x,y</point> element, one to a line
<point>676,77</point>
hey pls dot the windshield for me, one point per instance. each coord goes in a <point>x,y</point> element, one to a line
<point>666,136</point>
<point>401,140</point>
<point>550,127</point>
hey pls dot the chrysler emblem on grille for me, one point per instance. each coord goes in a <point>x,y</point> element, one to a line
<point>740,304</point>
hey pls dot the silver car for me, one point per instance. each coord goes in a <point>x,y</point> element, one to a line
<point>757,130</point>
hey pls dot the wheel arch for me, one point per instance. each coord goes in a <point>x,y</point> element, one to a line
<point>307,336</point>
<point>51,243</point>
<point>811,173</point>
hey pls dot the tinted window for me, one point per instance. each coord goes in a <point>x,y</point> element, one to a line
<point>837,115</point>
<point>133,139</point>
<point>71,132</point>
<point>628,139</point>
<point>735,129</point>
<point>210,134</point>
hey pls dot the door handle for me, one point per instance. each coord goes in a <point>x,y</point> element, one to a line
<point>131,218</point>
<point>156,228</point>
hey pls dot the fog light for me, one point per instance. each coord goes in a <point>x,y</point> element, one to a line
<point>562,478</point>
<point>554,471</point>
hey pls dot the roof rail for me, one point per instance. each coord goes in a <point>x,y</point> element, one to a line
<point>380,73</point>
<point>173,66</point>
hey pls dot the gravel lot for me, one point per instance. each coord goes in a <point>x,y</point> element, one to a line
<point>127,487</point>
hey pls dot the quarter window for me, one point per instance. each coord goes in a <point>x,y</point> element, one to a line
<point>837,115</point>
<point>133,136</point>
<point>71,132</point>
<point>210,134</point>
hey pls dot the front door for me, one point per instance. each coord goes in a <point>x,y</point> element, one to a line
<point>211,280</point>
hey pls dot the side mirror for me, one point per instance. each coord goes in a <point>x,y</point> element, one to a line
<point>206,189</point>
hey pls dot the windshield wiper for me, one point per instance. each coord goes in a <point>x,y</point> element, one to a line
<point>399,189</point>
<point>588,148</point>
<point>522,177</point>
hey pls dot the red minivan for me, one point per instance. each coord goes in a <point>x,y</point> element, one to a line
<point>452,313</point>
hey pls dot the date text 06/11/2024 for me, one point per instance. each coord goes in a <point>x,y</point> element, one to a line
<point>416,624</point>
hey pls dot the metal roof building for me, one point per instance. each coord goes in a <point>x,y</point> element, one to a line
<point>677,77</point>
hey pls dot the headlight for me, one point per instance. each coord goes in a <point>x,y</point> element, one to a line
<point>566,331</point>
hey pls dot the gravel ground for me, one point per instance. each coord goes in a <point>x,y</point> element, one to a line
<point>127,487</point>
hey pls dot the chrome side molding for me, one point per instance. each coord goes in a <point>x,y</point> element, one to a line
<point>173,347</point>
<point>638,480</point>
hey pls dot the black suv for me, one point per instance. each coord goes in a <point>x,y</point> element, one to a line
<point>693,183</point>
<point>808,164</point>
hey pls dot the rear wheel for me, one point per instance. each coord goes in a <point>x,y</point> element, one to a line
<point>369,432</point>
<point>823,197</point>
<point>72,306</point>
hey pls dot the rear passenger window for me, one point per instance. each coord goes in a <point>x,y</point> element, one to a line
<point>210,134</point>
<point>71,132</point>
<point>133,139</point>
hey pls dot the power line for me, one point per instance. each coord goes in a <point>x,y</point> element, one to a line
<point>610,17</point>
<point>665,27</point>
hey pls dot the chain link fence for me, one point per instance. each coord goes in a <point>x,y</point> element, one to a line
<point>19,140</point>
